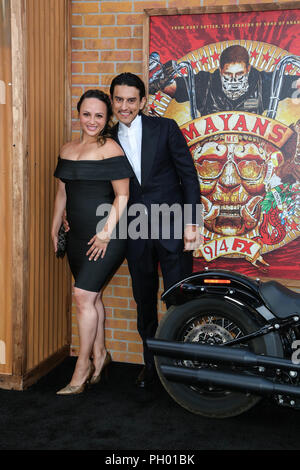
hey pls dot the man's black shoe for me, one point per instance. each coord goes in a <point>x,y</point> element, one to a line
<point>146,377</point>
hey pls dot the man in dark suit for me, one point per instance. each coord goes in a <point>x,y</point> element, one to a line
<point>165,174</point>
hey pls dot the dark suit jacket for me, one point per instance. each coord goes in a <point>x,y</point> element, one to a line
<point>168,176</point>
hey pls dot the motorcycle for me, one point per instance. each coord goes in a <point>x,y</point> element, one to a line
<point>227,341</point>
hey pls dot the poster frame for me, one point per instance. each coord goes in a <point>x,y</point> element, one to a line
<point>215,9</point>
<point>202,11</point>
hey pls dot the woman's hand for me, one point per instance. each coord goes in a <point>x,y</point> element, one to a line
<point>54,237</point>
<point>65,221</point>
<point>98,247</point>
<point>59,210</point>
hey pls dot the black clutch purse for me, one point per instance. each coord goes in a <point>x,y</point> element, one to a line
<point>61,242</point>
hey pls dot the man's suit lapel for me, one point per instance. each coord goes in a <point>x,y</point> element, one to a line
<point>150,136</point>
<point>116,137</point>
<point>114,132</point>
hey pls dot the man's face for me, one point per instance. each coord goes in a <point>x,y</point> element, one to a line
<point>232,178</point>
<point>126,103</point>
<point>234,77</point>
<point>234,71</point>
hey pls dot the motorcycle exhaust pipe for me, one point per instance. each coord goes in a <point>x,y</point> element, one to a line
<point>230,381</point>
<point>223,354</point>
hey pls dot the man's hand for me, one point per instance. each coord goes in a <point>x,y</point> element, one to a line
<point>192,238</point>
<point>97,248</point>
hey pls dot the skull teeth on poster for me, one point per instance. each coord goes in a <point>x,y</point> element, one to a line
<point>232,82</point>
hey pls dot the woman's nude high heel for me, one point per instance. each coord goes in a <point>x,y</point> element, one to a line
<point>96,378</point>
<point>76,389</point>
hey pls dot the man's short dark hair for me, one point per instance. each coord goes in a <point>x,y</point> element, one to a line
<point>128,79</point>
<point>234,54</point>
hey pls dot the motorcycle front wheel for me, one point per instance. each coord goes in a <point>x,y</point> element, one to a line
<point>208,321</point>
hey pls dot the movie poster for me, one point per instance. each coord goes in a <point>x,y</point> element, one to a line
<point>231,81</point>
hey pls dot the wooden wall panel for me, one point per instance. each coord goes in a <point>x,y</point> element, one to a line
<point>48,324</point>
<point>5,189</point>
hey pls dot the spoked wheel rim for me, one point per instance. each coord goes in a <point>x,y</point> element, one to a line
<point>214,329</point>
<point>228,320</point>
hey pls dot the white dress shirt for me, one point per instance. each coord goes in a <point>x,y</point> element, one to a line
<point>131,141</point>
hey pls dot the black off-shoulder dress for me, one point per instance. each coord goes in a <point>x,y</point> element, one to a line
<point>88,186</point>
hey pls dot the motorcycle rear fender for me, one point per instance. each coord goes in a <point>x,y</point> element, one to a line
<point>233,286</point>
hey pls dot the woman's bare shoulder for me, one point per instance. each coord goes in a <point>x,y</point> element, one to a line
<point>111,149</point>
<point>67,149</point>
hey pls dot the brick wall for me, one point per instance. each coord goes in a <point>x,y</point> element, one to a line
<point>107,40</point>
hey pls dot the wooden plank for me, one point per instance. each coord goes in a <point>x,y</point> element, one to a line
<point>19,186</point>
<point>223,8</point>
<point>49,278</point>
<point>5,189</point>
<point>10,382</point>
<point>45,366</point>
<point>32,118</point>
<point>40,291</point>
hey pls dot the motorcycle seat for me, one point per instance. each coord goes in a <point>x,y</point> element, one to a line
<point>283,302</point>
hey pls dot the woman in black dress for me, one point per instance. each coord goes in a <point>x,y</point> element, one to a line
<point>93,182</point>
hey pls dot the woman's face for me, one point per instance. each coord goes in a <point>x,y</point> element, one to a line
<point>92,116</point>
